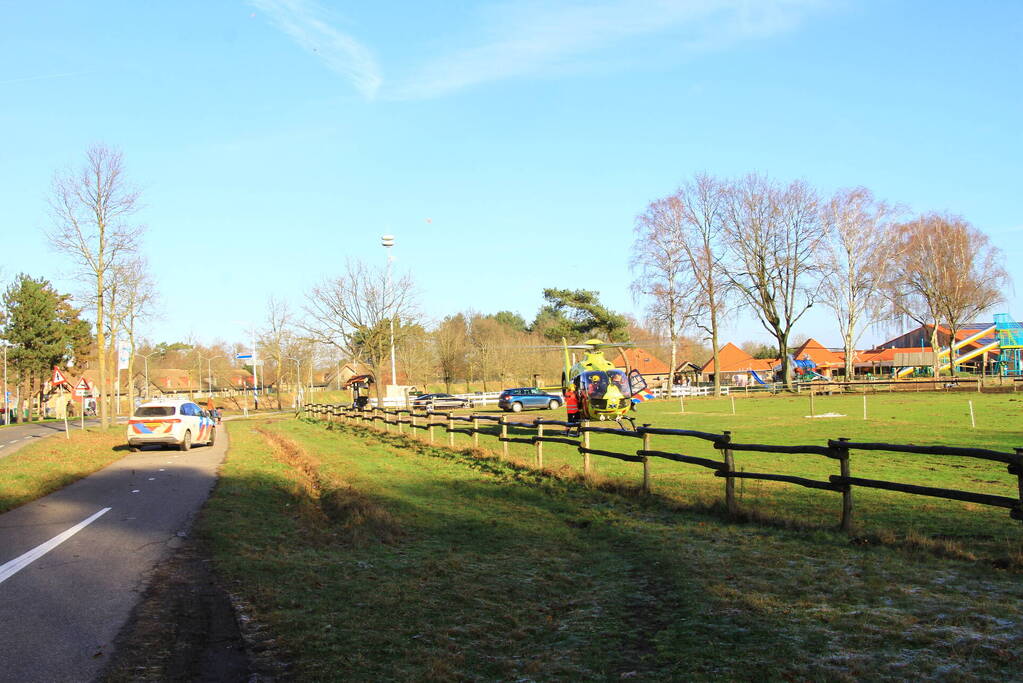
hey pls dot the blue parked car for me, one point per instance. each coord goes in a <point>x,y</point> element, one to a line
<point>517,400</point>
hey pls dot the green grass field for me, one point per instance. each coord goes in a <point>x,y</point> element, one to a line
<point>366,556</point>
<point>52,463</point>
<point>905,418</point>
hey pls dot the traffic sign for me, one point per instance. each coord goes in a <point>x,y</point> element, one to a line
<point>58,377</point>
<point>83,389</point>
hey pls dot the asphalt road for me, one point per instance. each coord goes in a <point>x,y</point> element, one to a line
<point>62,607</point>
<point>17,435</point>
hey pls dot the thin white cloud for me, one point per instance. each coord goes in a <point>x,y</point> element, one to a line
<point>305,22</point>
<point>29,79</point>
<point>523,39</point>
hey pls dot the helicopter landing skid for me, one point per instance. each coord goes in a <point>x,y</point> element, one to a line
<point>632,423</point>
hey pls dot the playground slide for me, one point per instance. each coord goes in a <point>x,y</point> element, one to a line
<point>756,378</point>
<point>817,375</point>
<point>959,344</point>
<point>972,354</point>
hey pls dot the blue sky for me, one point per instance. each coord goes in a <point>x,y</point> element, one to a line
<point>507,145</point>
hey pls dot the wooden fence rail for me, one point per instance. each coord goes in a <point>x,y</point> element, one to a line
<point>560,432</point>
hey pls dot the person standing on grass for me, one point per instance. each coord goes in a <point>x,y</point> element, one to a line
<point>572,404</point>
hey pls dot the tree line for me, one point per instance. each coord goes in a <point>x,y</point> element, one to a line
<point>713,247</point>
<point>719,245</point>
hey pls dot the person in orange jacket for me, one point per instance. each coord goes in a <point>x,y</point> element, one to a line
<point>572,404</point>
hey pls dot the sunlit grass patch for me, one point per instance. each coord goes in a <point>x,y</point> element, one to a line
<point>41,468</point>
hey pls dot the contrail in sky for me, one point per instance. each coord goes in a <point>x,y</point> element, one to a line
<point>28,79</point>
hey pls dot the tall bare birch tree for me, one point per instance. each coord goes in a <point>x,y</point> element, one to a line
<point>91,210</point>
<point>775,234</point>
<point>663,276</point>
<point>702,203</point>
<point>856,258</point>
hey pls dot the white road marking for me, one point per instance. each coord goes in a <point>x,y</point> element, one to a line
<point>17,564</point>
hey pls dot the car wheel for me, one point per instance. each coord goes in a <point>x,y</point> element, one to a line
<point>516,407</point>
<point>213,437</point>
<point>186,442</point>
<point>554,405</point>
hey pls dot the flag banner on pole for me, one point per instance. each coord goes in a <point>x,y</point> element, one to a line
<point>123,353</point>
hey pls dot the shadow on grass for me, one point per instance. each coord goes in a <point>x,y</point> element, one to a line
<point>559,565</point>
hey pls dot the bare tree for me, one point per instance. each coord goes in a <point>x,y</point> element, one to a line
<point>856,260</point>
<point>775,235</point>
<point>274,338</point>
<point>490,344</point>
<point>352,313</point>
<point>975,277</point>
<point>91,209</point>
<point>664,276</point>
<point>945,271</point>
<point>915,276</point>
<point>137,300</point>
<point>679,254</point>
<point>451,342</point>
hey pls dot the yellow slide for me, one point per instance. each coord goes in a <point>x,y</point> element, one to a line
<point>972,354</point>
<point>958,345</point>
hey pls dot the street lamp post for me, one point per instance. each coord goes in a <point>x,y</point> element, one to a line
<point>388,241</point>
<point>7,412</point>
<point>209,371</point>
<point>145,357</point>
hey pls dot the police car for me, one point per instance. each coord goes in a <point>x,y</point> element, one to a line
<point>179,423</point>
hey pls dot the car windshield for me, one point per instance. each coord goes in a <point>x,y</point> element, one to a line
<point>154,411</point>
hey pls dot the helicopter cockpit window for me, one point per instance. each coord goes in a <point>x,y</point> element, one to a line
<point>621,381</point>
<point>595,383</point>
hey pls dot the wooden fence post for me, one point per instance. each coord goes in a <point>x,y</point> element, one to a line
<point>847,500</point>
<point>475,432</point>
<point>1017,469</point>
<point>539,444</point>
<point>586,445</point>
<point>726,453</point>
<point>451,431</point>
<point>401,426</point>
<point>429,425</point>
<point>412,423</point>
<point>646,464</point>
<point>504,435</point>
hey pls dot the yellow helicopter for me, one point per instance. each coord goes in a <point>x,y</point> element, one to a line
<point>603,391</point>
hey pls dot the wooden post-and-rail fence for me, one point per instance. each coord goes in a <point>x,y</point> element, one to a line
<point>554,431</point>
